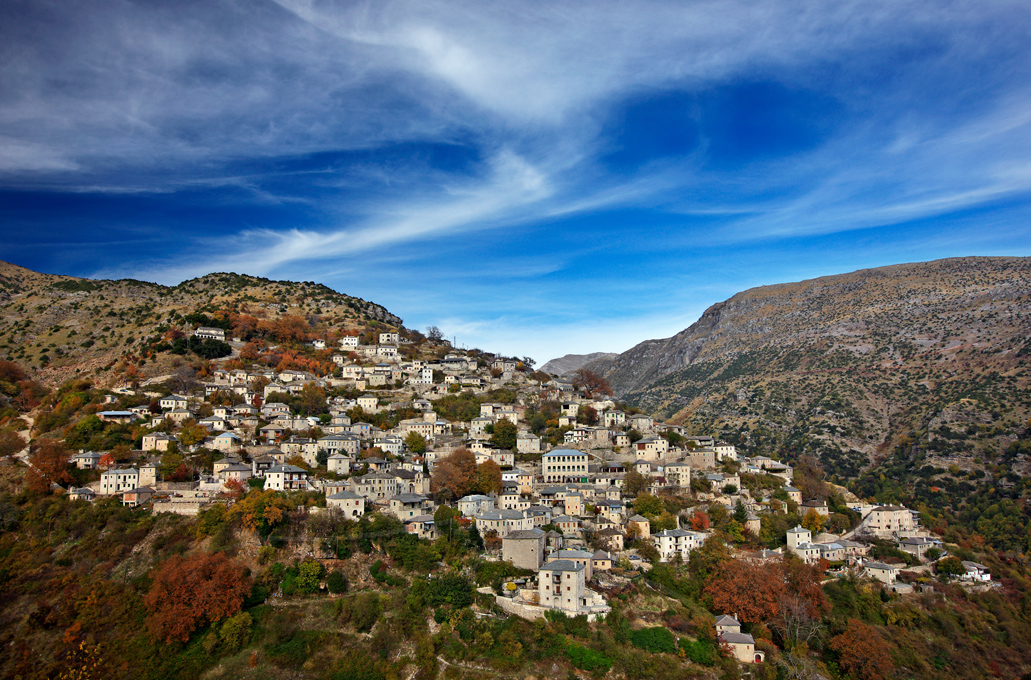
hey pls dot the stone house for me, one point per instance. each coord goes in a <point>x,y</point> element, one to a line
<point>502,522</point>
<point>561,585</point>
<point>885,573</point>
<point>741,645</point>
<point>87,460</point>
<point>673,542</point>
<point>407,505</point>
<point>524,548</point>
<point>117,481</point>
<point>158,441</point>
<point>473,505</point>
<point>651,448</point>
<point>889,519</point>
<point>351,504</point>
<point>286,478</point>
<point>134,498</point>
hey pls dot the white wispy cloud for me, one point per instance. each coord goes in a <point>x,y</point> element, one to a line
<point>119,98</point>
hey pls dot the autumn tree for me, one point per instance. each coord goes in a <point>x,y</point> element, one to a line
<point>813,521</point>
<point>862,652</point>
<point>250,351</point>
<point>235,488</point>
<point>649,505</point>
<point>809,477</point>
<point>10,442</point>
<point>488,477</point>
<point>48,465</point>
<point>587,415</point>
<point>700,521</point>
<point>192,432</point>
<point>454,474</point>
<point>805,582</point>
<point>753,592</point>
<point>949,566</point>
<point>590,383</point>
<point>260,511</point>
<point>132,375</point>
<point>190,591</point>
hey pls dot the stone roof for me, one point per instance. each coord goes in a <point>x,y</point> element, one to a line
<point>880,565</point>
<point>525,534</point>
<point>737,638</point>
<point>344,496</point>
<point>563,565</point>
<point>409,498</point>
<point>287,468</point>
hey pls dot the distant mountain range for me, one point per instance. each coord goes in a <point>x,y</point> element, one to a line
<point>572,362</point>
<point>845,366</point>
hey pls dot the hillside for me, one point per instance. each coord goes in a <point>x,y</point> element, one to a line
<point>571,362</point>
<point>61,326</point>
<point>846,366</point>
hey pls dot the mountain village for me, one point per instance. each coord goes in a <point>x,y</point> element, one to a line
<point>581,509</point>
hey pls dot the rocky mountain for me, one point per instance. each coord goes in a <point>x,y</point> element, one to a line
<point>849,366</point>
<point>571,362</point>
<point>62,326</point>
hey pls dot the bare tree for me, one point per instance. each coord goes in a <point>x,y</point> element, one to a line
<point>799,667</point>
<point>794,621</point>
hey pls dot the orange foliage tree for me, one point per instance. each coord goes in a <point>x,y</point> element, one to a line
<point>751,591</point>
<point>488,477</point>
<point>699,521</point>
<point>10,442</point>
<point>260,511</point>
<point>190,591</point>
<point>863,653</point>
<point>48,465</point>
<point>235,488</point>
<point>454,475</point>
<point>591,383</point>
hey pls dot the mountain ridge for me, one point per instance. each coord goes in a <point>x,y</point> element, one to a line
<point>65,326</point>
<point>898,346</point>
<point>571,362</point>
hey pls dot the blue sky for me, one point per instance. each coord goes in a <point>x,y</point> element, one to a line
<point>534,178</point>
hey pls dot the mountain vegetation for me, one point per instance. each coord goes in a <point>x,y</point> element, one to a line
<point>61,327</point>
<point>911,383</point>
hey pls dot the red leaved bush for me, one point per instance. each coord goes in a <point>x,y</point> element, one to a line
<point>190,591</point>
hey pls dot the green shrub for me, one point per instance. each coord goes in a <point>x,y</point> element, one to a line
<point>336,582</point>
<point>296,649</point>
<point>587,659</point>
<point>700,651</point>
<point>308,576</point>
<point>656,640</point>
<point>379,572</point>
<point>236,631</point>
<point>365,611</point>
<point>451,589</point>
